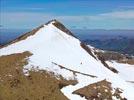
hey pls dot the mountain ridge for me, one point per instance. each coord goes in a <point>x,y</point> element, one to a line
<point>52,44</point>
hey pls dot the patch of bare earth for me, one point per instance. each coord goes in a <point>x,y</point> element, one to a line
<point>37,85</point>
<point>99,91</point>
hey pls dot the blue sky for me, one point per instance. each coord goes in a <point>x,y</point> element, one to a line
<point>89,14</point>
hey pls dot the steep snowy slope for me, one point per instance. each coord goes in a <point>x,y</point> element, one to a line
<point>53,48</point>
<point>124,64</point>
<point>126,71</point>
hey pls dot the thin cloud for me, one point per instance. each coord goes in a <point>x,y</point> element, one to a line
<point>31,19</point>
<point>119,14</point>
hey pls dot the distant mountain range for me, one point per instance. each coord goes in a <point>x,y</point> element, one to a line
<point>119,44</point>
<point>114,40</point>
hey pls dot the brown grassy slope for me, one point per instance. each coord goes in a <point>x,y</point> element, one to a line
<point>38,85</point>
<point>99,91</point>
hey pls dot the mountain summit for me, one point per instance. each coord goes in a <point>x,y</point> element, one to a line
<point>54,49</point>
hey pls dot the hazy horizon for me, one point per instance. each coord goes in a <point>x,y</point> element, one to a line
<point>76,14</point>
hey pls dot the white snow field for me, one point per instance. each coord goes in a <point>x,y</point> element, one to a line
<point>126,71</point>
<point>50,44</point>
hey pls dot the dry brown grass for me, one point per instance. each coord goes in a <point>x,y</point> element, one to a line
<point>99,91</point>
<point>38,85</point>
<point>96,91</point>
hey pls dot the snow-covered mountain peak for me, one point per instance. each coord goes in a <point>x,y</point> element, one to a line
<point>54,48</point>
<point>60,26</point>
